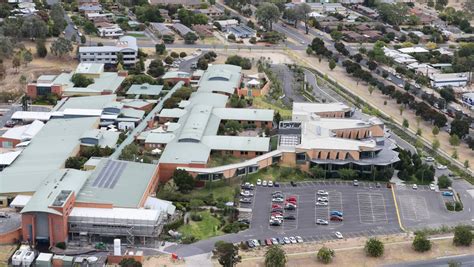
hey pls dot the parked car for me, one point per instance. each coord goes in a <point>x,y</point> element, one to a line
<point>286,240</point>
<point>290,207</point>
<point>323,199</point>
<point>248,186</point>
<point>293,183</point>
<point>389,185</point>
<point>336,212</point>
<point>275,241</point>
<point>246,193</point>
<point>246,200</point>
<point>277,200</point>
<point>336,218</point>
<point>378,185</point>
<point>448,194</point>
<point>259,182</point>
<point>281,241</point>
<point>432,187</point>
<point>244,220</point>
<point>338,235</point>
<point>270,184</point>
<point>291,198</point>
<point>293,240</point>
<point>429,159</point>
<point>10,124</point>
<point>276,184</point>
<point>414,186</point>
<point>355,183</point>
<point>289,217</point>
<point>299,239</point>
<point>277,210</point>
<point>322,193</point>
<point>277,193</point>
<point>268,242</point>
<point>276,213</point>
<point>264,183</point>
<point>275,222</point>
<point>441,167</point>
<point>250,243</point>
<point>276,206</point>
<point>321,203</point>
<point>322,222</point>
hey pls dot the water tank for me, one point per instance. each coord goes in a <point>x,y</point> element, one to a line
<point>17,258</point>
<point>28,258</point>
<point>117,248</point>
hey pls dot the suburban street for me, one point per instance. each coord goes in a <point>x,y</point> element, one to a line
<point>462,260</point>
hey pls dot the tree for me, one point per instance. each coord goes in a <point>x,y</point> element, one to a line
<point>325,255</point>
<point>462,236</point>
<point>83,39</point>
<point>393,14</point>
<point>405,123</point>
<point>182,54</point>
<point>26,57</point>
<point>227,253</point>
<point>435,145</point>
<point>6,47</point>
<point>33,27</point>
<point>190,38</point>
<point>336,35</point>
<point>174,54</point>
<point>266,14</point>
<point>57,16</point>
<point>275,257</point>
<point>168,39</point>
<point>156,69</point>
<point>332,64</point>
<point>75,162</point>
<point>444,181</point>
<point>347,174</point>
<point>232,127</point>
<point>231,37</point>
<point>183,180</point>
<point>374,247</point>
<point>466,164</point>
<point>41,50</point>
<point>447,94</point>
<point>169,60</point>
<point>460,127</point>
<point>129,262</point>
<point>454,140</point>
<point>202,63</point>
<point>421,243</point>
<point>435,131</point>
<point>160,49</point>
<point>303,10</point>
<point>317,172</point>
<point>372,65</point>
<point>291,15</point>
<point>16,62</point>
<point>80,80</point>
<point>61,47</point>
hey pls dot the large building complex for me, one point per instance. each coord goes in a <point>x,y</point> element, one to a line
<point>125,45</point>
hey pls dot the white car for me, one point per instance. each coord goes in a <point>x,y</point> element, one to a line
<point>264,183</point>
<point>286,240</point>
<point>322,193</point>
<point>293,240</point>
<point>246,193</point>
<point>277,200</point>
<point>299,239</point>
<point>389,78</point>
<point>338,235</point>
<point>441,167</point>
<point>415,187</point>
<point>274,241</point>
<point>432,187</point>
<point>321,203</point>
<point>322,222</point>
<point>270,183</point>
<point>429,159</point>
<point>276,217</point>
<point>323,199</point>
<point>259,182</point>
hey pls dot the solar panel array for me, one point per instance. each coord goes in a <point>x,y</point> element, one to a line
<point>110,174</point>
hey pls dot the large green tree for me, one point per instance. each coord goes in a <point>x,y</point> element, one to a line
<point>275,257</point>
<point>80,80</point>
<point>374,247</point>
<point>303,10</point>
<point>325,255</point>
<point>57,16</point>
<point>61,47</point>
<point>183,180</point>
<point>462,235</point>
<point>227,253</point>
<point>394,14</point>
<point>266,14</point>
<point>421,243</point>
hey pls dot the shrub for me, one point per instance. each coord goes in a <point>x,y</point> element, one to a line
<point>462,236</point>
<point>374,247</point>
<point>421,243</point>
<point>196,217</point>
<point>188,239</point>
<point>325,255</point>
<point>458,206</point>
<point>450,206</point>
<point>61,245</point>
<point>444,181</point>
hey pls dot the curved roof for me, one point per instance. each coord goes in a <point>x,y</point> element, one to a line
<point>196,123</point>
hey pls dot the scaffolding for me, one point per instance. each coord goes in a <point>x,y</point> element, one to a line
<point>130,226</point>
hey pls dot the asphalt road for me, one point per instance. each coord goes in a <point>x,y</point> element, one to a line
<point>463,260</point>
<point>286,77</point>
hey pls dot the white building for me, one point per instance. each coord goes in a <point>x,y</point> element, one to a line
<point>111,31</point>
<point>126,45</point>
<point>449,79</point>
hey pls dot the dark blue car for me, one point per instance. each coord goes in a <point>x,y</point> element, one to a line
<point>337,213</point>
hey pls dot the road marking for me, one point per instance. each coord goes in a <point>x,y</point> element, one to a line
<point>396,208</point>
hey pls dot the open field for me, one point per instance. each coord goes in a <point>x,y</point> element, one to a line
<point>202,229</point>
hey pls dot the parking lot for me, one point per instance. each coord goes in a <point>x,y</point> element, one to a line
<point>367,210</point>
<point>423,208</point>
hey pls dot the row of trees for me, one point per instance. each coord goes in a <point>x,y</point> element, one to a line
<point>227,254</point>
<point>411,168</point>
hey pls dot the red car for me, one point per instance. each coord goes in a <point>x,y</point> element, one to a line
<point>277,213</point>
<point>268,242</point>
<point>291,198</point>
<point>275,206</point>
<point>337,218</point>
<point>291,202</point>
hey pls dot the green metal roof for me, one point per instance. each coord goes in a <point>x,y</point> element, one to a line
<point>46,153</point>
<point>220,78</point>
<point>55,189</point>
<point>86,102</point>
<point>144,89</point>
<point>131,182</point>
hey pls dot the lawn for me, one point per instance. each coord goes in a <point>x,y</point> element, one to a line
<point>136,35</point>
<point>220,160</point>
<point>280,174</point>
<point>260,102</point>
<point>224,189</point>
<point>203,229</point>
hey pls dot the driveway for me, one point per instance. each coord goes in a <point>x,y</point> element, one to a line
<point>285,75</point>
